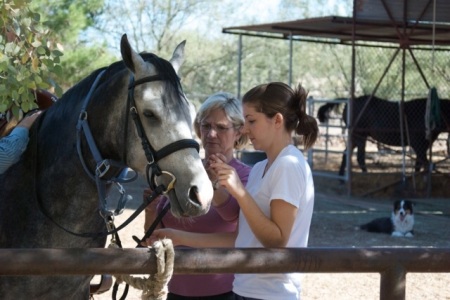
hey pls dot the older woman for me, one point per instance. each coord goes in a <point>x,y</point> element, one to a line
<point>217,124</point>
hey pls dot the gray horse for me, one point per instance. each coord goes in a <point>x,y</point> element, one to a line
<point>131,114</point>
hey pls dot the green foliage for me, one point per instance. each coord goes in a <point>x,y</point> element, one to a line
<point>80,63</point>
<point>28,58</point>
<point>208,69</point>
<point>68,21</point>
<point>151,25</point>
<point>67,18</point>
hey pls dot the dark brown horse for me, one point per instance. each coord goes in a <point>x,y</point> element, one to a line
<point>379,119</point>
<point>44,99</point>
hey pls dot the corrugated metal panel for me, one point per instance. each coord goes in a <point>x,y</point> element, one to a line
<point>422,10</point>
<point>340,29</point>
<point>391,21</point>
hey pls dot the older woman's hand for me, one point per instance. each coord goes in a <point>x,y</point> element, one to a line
<point>162,233</point>
<point>227,176</point>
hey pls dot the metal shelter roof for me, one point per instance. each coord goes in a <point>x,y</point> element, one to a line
<point>339,30</point>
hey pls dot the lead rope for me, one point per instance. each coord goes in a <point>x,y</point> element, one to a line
<point>116,243</point>
<point>154,287</point>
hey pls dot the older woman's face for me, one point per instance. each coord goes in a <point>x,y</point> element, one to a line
<point>218,134</point>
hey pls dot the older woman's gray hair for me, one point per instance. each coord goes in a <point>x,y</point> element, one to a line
<point>231,106</point>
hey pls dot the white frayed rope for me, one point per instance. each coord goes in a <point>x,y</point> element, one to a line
<point>154,287</point>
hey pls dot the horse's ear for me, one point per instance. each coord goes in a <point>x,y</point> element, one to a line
<point>125,50</point>
<point>178,56</point>
<point>130,57</point>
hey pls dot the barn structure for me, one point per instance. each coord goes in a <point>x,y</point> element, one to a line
<point>416,34</point>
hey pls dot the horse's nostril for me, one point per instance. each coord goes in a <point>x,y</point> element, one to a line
<point>193,192</point>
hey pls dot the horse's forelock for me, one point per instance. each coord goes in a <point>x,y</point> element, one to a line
<point>169,76</point>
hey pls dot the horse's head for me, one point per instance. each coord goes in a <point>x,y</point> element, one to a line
<point>162,112</point>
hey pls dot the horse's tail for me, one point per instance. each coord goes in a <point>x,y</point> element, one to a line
<point>324,111</point>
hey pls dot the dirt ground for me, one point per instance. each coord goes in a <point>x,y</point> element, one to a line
<point>333,225</point>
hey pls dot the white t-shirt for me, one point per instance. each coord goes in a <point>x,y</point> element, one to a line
<point>290,179</point>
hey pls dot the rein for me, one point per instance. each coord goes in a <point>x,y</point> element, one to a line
<point>102,165</point>
<point>152,166</point>
<point>139,242</point>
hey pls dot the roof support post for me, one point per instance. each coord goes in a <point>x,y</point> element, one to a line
<point>239,67</point>
<point>290,58</point>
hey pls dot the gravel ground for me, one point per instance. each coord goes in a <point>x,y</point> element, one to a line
<point>334,221</point>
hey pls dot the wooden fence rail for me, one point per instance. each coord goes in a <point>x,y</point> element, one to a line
<point>391,263</point>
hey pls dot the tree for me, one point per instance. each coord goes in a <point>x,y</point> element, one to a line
<point>159,25</point>
<point>211,60</point>
<point>28,58</point>
<point>69,20</point>
<point>151,25</point>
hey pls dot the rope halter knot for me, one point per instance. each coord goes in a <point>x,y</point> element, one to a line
<point>154,287</point>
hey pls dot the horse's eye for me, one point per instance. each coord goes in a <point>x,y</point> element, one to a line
<point>149,114</point>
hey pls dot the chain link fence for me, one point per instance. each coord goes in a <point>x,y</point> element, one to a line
<point>397,77</point>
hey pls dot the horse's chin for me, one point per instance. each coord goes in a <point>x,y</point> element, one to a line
<point>190,209</point>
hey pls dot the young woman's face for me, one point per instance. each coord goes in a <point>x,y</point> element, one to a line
<point>258,127</point>
<point>218,134</point>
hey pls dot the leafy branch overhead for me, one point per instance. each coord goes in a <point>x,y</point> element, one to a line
<point>28,58</point>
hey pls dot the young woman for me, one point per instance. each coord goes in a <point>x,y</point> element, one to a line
<point>277,202</point>
<point>217,124</point>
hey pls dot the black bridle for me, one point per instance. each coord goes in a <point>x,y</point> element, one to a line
<point>153,170</point>
<point>103,165</point>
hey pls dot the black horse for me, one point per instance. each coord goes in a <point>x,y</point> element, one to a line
<point>380,119</point>
<point>130,114</point>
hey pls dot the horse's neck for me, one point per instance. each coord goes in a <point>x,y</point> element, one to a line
<point>56,151</point>
<point>70,198</point>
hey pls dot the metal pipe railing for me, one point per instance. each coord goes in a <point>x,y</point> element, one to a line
<point>391,263</point>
